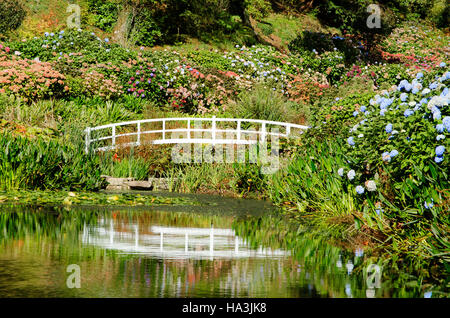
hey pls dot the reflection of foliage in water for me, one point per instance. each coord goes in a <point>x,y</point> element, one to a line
<point>49,238</point>
<point>314,254</point>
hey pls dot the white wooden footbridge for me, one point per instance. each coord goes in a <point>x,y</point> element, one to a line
<point>217,131</point>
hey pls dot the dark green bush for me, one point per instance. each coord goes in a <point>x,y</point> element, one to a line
<point>12,14</point>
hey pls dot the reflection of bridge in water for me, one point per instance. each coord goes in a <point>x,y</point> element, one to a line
<point>173,242</point>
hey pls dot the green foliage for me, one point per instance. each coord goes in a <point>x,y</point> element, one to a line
<point>105,13</point>
<point>12,14</point>
<point>46,165</point>
<point>257,9</point>
<point>263,103</point>
<point>137,168</point>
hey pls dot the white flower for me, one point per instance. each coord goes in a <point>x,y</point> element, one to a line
<point>351,174</point>
<point>341,172</point>
<point>371,185</point>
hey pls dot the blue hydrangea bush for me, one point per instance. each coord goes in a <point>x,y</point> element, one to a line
<point>399,148</point>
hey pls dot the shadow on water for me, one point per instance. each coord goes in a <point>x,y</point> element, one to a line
<point>225,248</point>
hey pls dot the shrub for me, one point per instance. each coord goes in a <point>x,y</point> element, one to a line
<point>31,79</point>
<point>263,103</point>
<point>12,14</point>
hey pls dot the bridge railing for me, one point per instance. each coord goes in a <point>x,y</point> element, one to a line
<point>284,130</point>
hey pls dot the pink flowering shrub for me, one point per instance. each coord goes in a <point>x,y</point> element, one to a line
<point>29,79</point>
<point>98,84</point>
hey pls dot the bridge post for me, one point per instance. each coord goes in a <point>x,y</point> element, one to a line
<point>88,139</point>
<point>113,136</point>
<point>138,134</point>
<point>239,130</point>
<point>288,130</point>
<point>263,134</point>
<point>214,128</point>
<point>164,130</point>
<point>189,129</point>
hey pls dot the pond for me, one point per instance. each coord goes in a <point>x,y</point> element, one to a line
<point>221,248</point>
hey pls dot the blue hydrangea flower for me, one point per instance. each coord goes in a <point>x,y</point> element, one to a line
<point>440,151</point>
<point>403,97</point>
<point>438,159</point>
<point>389,128</point>
<point>408,112</point>
<point>408,87</point>
<point>363,108</point>
<point>106,40</point>
<point>393,153</point>
<point>440,128</point>
<point>442,64</point>
<point>446,123</point>
<point>440,137</point>
<point>433,85</point>
<point>355,113</point>
<point>383,112</point>
<point>341,172</point>
<point>386,156</point>
<point>350,141</point>
<point>437,115</point>
<point>419,75</point>
<point>359,189</point>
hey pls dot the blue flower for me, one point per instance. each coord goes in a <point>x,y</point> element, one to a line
<point>408,87</point>
<point>350,141</point>
<point>440,137</point>
<point>363,108</point>
<point>408,112</point>
<point>106,40</point>
<point>440,151</point>
<point>393,153</point>
<point>359,189</point>
<point>438,159</point>
<point>433,85</point>
<point>386,156</point>
<point>446,123</point>
<point>428,205</point>
<point>46,34</point>
<point>442,64</point>
<point>382,112</point>
<point>355,113</point>
<point>419,75</point>
<point>437,115</point>
<point>389,128</point>
<point>403,97</point>
<point>440,128</point>
<point>427,294</point>
<point>445,92</point>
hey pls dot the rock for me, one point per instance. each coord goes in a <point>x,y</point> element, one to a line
<point>139,185</point>
<point>159,183</point>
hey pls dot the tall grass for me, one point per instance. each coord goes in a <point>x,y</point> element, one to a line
<point>263,103</point>
<point>40,164</point>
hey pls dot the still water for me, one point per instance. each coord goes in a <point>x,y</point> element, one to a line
<point>222,248</point>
